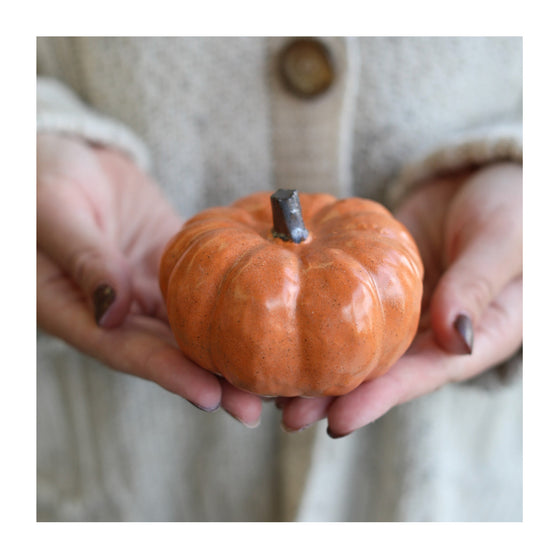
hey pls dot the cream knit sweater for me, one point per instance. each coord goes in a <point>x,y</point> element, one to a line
<point>210,119</point>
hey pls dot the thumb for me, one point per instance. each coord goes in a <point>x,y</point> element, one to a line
<point>76,243</point>
<point>103,276</point>
<point>483,253</point>
<point>466,289</point>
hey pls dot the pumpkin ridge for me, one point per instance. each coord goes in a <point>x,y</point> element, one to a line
<point>319,266</point>
<point>333,222</point>
<point>197,250</point>
<point>403,243</point>
<point>378,296</point>
<point>246,255</point>
<point>302,377</point>
<point>370,275</point>
<point>198,239</point>
<point>351,207</point>
<point>245,368</point>
<point>405,258</point>
<point>187,236</point>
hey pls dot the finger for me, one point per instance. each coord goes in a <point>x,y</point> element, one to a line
<point>244,407</point>
<point>428,367</point>
<point>141,346</point>
<point>423,214</point>
<point>483,252</point>
<point>467,288</point>
<point>164,364</point>
<point>75,241</point>
<point>300,413</point>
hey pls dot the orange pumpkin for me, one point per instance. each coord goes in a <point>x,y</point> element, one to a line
<point>312,307</point>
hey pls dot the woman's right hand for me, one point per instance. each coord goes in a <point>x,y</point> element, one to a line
<point>102,225</point>
<point>468,227</point>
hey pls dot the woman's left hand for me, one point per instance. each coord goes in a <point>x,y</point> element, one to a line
<point>102,224</point>
<point>468,228</point>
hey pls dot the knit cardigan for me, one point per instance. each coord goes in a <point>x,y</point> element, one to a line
<point>210,119</point>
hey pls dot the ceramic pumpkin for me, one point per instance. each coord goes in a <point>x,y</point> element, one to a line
<point>283,299</point>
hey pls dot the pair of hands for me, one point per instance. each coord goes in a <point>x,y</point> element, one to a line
<point>102,225</point>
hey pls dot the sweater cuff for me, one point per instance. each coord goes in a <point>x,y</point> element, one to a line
<point>60,110</point>
<point>472,148</point>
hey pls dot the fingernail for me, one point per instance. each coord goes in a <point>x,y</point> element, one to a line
<point>289,430</point>
<point>334,435</point>
<point>103,297</point>
<point>251,425</point>
<point>280,402</point>
<point>205,408</point>
<point>463,326</point>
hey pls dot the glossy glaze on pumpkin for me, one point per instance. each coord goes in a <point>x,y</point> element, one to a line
<point>279,318</point>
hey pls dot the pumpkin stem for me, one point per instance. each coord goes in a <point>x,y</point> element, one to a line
<point>286,214</point>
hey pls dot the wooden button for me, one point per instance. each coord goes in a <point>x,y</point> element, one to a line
<point>306,67</point>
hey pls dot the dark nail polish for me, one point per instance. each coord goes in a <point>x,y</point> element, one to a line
<point>205,408</point>
<point>103,297</point>
<point>334,435</point>
<point>280,402</point>
<point>464,328</point>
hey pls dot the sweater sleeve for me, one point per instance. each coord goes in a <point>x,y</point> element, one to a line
<point>469,148</point>
<point>60,110</point>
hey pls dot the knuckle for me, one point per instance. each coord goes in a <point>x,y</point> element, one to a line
<point>82,263</point>
<point>499,325</point>
<point>479,292</point>
<point>503,320</point>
